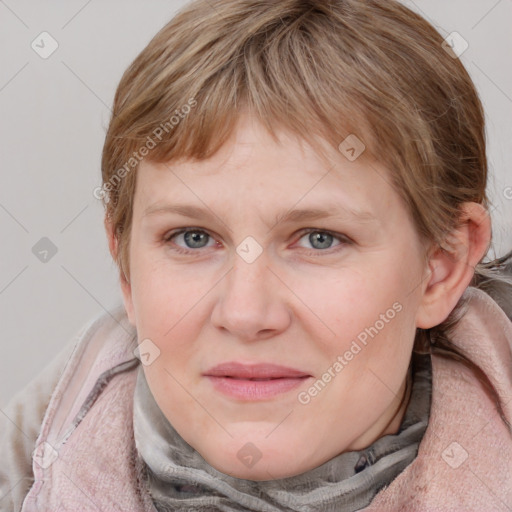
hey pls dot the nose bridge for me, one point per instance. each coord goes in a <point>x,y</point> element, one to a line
<point>248,281</point>
<point>249,302</point>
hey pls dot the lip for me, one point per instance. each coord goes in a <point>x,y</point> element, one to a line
<point>252,382</point>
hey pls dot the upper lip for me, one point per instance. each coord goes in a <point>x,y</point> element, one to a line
<point>254,371</point>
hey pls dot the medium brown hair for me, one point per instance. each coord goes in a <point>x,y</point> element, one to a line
<point>318,69</point>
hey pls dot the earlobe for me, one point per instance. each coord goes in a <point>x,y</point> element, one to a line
<point>126,288</point>
<point>451,269</point>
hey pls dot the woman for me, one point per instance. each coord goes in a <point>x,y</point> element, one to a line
<point>295,197</point>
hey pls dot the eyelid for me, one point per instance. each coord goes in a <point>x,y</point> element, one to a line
<point>342,238</point>
<point>173,233</point>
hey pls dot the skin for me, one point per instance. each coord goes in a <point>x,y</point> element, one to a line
<point>296,305</point>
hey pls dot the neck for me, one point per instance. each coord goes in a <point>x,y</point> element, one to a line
<point>396,420</point>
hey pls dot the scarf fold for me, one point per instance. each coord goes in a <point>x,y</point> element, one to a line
<point>179,478</point>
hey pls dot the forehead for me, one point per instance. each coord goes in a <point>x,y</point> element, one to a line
<point>252,167</point>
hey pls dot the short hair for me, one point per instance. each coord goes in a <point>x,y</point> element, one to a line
<point>320,69</point>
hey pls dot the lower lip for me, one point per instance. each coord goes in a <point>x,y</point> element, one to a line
<point>253,390</point>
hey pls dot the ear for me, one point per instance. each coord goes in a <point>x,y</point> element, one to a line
<point>126,288</point>
<point>451,270</point>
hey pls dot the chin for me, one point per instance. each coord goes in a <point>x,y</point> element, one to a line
<point>258,460</point>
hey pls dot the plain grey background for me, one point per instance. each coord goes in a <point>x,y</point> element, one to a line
<point>54,114</point>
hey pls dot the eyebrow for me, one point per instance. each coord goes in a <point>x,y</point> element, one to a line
<point>296,215</point>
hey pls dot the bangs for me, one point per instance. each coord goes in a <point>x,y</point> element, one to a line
<point>280,72</point>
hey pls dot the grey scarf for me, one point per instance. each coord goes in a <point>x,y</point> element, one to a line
<point>180,479</point>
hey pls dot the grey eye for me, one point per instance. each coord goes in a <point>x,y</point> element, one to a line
<point>320,239</point>
<point>195,239</point>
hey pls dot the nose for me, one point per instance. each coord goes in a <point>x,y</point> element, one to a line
<point>252,302</point>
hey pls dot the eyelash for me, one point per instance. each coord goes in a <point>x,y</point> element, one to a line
<point>344,240</point>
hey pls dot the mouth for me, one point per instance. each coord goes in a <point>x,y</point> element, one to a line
<point>254,382</point>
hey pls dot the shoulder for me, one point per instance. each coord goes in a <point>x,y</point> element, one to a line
<point>22,420</point>
<point>486,327</point>
<point>107,342</point>
<point>463,460</point>
<point>87,428</point>
<point>484,334</point>
<point>20,423</point>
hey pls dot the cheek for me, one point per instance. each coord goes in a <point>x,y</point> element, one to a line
<point>371,309</point>
<point>350,301</point>
<point>169,389</point>
<point>370,355</point>
<point>164,296</point>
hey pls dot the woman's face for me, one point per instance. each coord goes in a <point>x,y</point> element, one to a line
<point>277,324</point>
